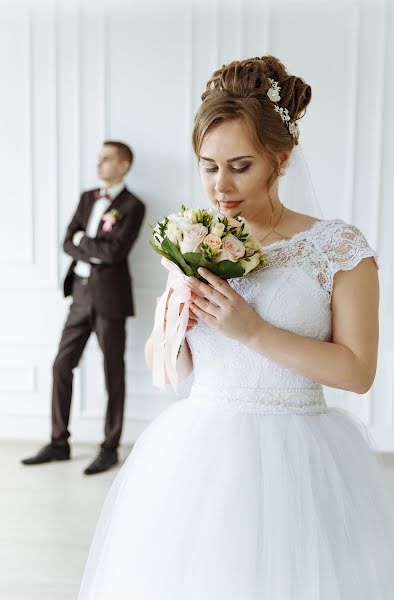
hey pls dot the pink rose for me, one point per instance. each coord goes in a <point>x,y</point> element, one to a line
<point>193,235</point>
<point>232,249</point>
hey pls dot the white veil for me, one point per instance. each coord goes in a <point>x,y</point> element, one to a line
<point>296,189</point>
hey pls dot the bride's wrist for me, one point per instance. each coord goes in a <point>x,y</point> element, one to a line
<point>258,330</point>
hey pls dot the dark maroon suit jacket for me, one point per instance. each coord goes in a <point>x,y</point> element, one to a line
<point>110,282</point>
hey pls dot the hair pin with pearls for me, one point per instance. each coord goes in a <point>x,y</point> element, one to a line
<point>273,94</point>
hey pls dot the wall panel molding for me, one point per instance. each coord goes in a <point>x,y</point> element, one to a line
<point>17,378</point>
<point>87,70</point>
<point>352,111</point>
<point>104,82</point>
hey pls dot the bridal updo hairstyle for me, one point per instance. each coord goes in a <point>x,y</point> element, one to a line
<point>239,91</point>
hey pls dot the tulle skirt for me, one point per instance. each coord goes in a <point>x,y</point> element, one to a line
<point>222,505</point>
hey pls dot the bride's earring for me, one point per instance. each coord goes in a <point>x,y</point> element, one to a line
<point>281,172</point>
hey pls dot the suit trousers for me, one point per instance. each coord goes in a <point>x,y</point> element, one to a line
<point>81,322</point>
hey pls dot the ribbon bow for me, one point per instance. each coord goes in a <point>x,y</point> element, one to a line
<point>100,194</point>
<point>167,339</point>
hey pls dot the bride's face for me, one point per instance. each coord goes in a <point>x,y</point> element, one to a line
<point>233,172</point>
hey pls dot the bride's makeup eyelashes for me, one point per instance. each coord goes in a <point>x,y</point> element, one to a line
<point>233,169</point>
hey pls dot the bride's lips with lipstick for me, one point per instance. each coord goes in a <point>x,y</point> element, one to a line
<point>229,204</point>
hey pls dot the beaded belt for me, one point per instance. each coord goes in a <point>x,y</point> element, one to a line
<point>266,401</point>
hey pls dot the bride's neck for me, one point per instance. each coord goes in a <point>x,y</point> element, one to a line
<point>266,217</point>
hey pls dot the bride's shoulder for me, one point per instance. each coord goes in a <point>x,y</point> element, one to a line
<point>343,244</point>
<point>335,231</point>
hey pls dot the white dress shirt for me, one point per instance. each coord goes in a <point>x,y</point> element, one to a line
<point>100,206</point>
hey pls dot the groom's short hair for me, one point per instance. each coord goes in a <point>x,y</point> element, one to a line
<point>124,151</point>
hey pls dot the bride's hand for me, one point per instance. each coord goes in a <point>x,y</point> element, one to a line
<point>221,307</point>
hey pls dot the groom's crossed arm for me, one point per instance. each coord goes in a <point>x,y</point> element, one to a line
<point>115,246</point>
<point>76,224</point>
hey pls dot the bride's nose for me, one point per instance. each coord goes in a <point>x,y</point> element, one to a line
<point>222,183</point>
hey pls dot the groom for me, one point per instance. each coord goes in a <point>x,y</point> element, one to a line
<point>99,238</point>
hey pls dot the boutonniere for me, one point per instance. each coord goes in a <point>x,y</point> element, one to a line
<point>110,218</point>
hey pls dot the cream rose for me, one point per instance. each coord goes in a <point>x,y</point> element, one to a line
<point>213,241</point>
<point>233,222</point>
<point>238,224</point>
<point>192,237</point>
<point>251,245</point>
<point>232,249</point>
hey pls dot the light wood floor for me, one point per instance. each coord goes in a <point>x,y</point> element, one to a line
<point>47,517</point>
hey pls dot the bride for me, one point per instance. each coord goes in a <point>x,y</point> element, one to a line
<point>252,488</point>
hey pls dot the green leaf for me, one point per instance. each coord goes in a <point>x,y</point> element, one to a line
<point>206,220</point>
<point>176,256</point>
<point>225,269</point>
<point>159,251</point>
<point>195,259</point>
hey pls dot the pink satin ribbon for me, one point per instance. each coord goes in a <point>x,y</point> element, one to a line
<point>167,339</point>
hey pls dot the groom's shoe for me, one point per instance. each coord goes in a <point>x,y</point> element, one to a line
<point>48,453</point>
<point>106,459</point>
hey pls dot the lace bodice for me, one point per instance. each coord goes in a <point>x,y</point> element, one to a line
<point>291,291</point>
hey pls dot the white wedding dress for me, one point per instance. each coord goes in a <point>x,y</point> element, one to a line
<point>252,488</point>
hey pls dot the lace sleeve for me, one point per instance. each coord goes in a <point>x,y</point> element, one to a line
<point>341,247</point>
<point>345,246</point>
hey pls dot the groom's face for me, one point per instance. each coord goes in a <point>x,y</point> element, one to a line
<point>110,168</point>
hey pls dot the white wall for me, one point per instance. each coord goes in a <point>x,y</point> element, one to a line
<point>73,73</point>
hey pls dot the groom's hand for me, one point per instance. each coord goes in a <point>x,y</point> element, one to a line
<point>78,235</point>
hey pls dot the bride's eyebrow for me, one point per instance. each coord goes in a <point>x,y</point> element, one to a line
<point>229,160</point>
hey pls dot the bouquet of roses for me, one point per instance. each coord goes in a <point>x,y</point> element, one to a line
<point>196,238</point>
<point>187,240</point>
